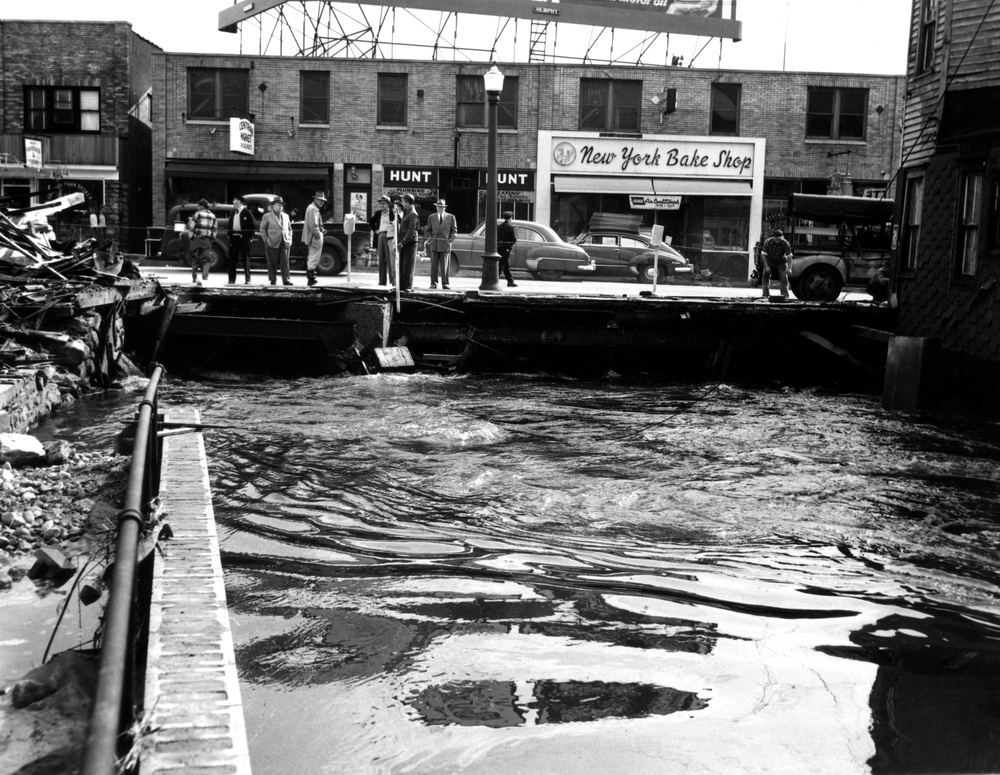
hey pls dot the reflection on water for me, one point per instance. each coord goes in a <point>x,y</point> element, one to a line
<point>500,575</point>
<point>511,703</point>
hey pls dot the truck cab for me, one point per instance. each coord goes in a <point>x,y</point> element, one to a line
<point>836,241</point>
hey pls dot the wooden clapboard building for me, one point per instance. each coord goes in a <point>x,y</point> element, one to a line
<point>948,263</point>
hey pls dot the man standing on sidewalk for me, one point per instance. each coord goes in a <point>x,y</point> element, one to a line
<point>775,251</point>
<point>276,232</point>
<point>203,227</point>
<point>312,235</point>
<point>409,226</point>
<point>383,230</point>
<point>241,230</point>
<point>440,233</point>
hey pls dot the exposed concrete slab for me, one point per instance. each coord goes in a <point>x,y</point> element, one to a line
<point>193,698</point>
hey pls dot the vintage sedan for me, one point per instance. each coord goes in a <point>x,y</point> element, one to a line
<point>539,251</point>
<point>620,253</point>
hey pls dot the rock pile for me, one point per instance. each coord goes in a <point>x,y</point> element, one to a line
<point>56,505</point>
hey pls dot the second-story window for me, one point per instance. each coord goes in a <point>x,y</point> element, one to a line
<point>314,96</point>
<point>217,94</point>
<point>391,99</point>
<point>470,99</point>
<point>928,33</point>
<point>836,114</point>
<point>609,106</point>
<point>725,109</point>
<point>62,109</point>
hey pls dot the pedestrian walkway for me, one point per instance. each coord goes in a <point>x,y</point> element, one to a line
<point>193,704</point>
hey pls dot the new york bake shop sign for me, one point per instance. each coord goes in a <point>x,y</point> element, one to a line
<point>706,158</point>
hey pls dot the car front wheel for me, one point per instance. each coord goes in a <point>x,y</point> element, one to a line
<point>646,273</point>
<point>218,263</point>
<point>551,274</point>
<point>819,283</point>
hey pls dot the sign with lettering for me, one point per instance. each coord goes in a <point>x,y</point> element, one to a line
<point>241,136</point>
<point>647,202</point>
<point>414,177</point>
<point>515,180</point>
<point>32,153</point>
<point>703,158</point>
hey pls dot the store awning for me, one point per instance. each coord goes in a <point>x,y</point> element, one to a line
<point>584,184</point>
<point>242,170</point>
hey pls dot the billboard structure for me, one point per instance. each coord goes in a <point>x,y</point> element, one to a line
<point>620,31</point>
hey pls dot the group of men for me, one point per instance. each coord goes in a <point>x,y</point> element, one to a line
<point>275,232</point>
<point>394,227</point>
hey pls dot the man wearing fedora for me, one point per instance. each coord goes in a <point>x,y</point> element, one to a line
<point>439,234</point>
<point>383,234</point>
<point>276,233</point>
<point>312,235</point>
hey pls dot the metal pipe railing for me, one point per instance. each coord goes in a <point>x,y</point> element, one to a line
<point>113,694</point>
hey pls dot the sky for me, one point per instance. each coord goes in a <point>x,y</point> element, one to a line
<point>841,36</point>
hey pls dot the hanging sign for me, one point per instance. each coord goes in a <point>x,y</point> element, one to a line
<point>654,202</point>
<point>241,134</point>
<point>32,153</point>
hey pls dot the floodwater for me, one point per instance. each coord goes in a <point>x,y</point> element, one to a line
<point>488,574</point>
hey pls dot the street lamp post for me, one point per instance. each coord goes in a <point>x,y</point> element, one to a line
<point>493,81</point>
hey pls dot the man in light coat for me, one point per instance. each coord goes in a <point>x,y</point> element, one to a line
<point>438,235</point>
<point>312,235</point>
<point>276,233</point>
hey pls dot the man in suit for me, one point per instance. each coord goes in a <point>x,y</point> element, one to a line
<point>383,234</point>
<point>439,234</point>
<point>241,227</point>
<point>409,226</point>
<point>276,232</point>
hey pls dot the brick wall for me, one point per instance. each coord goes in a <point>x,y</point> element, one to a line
<point>773,106</point>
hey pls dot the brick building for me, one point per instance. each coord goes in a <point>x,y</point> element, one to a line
<point>949,210</point>
<point>79,92</point>
<point>361,128</point>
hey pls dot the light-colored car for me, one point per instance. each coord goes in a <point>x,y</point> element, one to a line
<point>618,253</point>
<point>539,251</point>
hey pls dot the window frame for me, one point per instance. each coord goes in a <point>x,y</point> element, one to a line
<point>612,106</point>
<point>970,222</point>
<point>719,89</point>
<point>227,99</point>
<point>926,36</point>
<point>913,204</point>
<point>836,113</point>
<point>507,112</point>
<point>403,104</point>
<point>316,100</point>
<point>43,119</point>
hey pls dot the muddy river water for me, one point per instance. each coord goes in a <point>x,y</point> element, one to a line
<point>488,574</point>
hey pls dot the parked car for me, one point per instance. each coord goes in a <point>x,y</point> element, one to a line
<point>539,251</point>
<point>836,241</point>
<point>617,253</point>
<point>333,260</point>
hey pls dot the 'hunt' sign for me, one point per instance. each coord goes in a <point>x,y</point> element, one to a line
<point>412,177</point>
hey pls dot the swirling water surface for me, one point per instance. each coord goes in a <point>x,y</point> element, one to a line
<point>516,574</point>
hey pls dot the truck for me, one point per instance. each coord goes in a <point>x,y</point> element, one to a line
<point>333,260</point>
<point>837,241</point>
